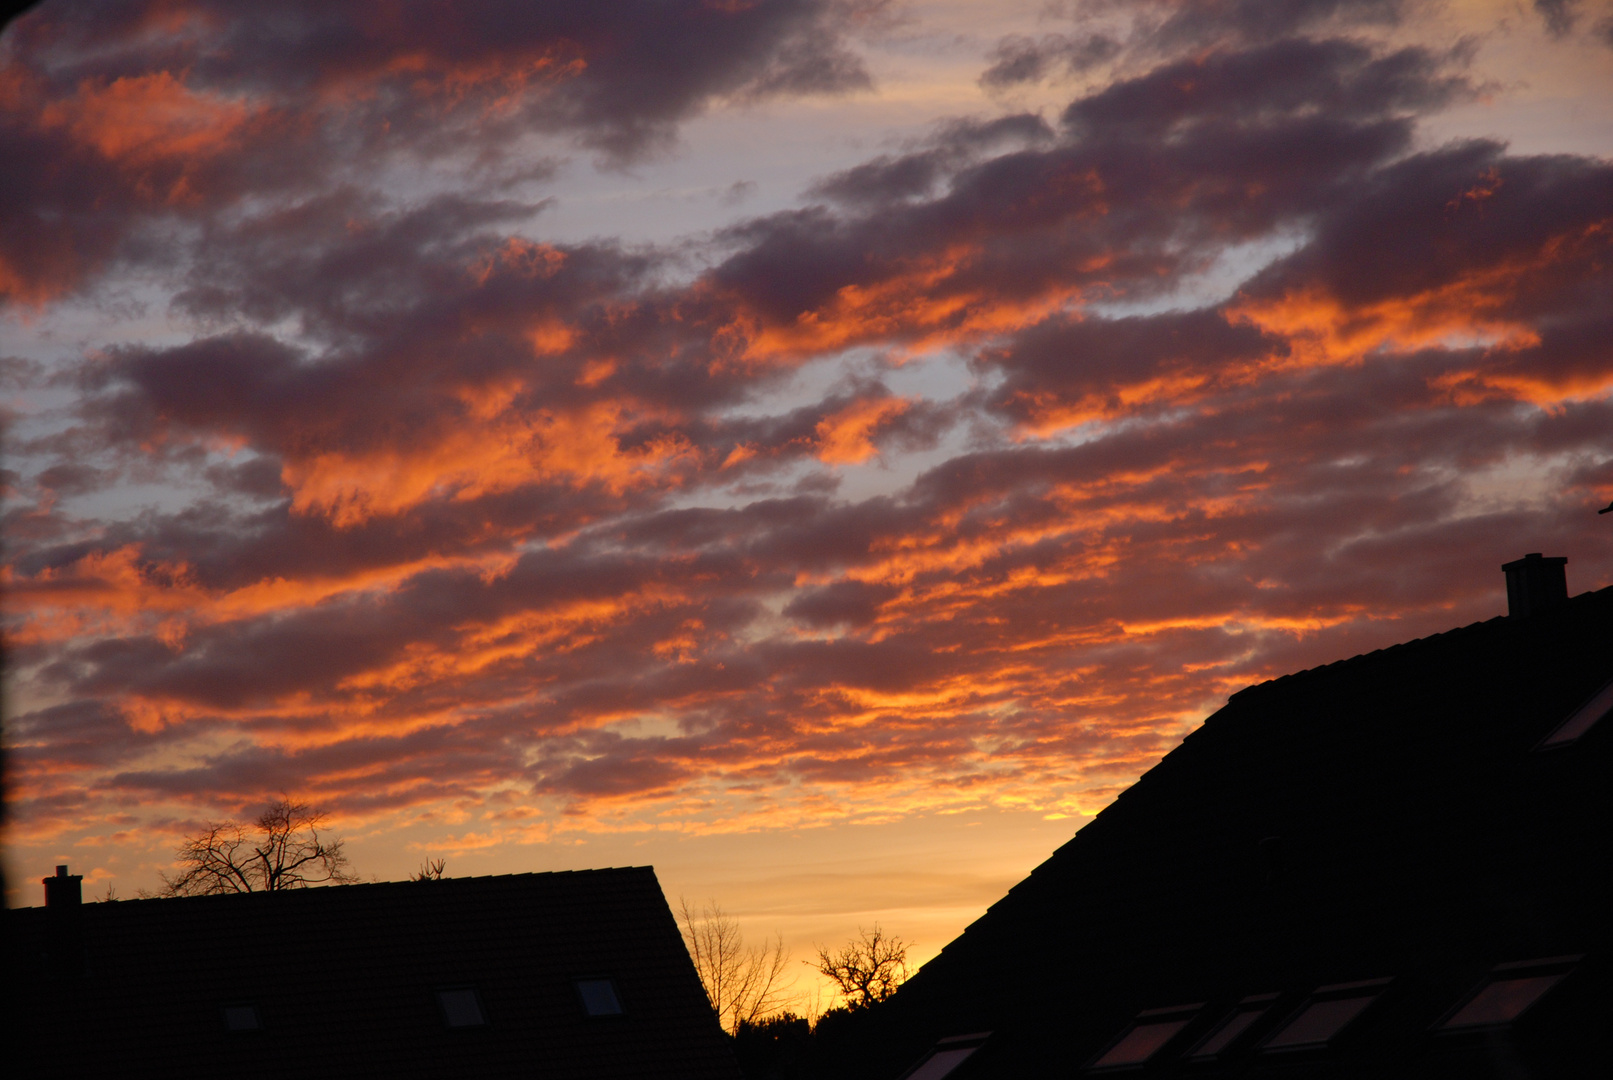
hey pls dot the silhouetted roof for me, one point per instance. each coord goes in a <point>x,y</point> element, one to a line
<point>1391,820</point>
<point>346,981</point>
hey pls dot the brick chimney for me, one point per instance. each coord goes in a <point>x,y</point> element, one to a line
<point>1535,584</point>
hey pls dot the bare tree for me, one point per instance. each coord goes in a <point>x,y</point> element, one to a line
<point>282,849</point>
<point>743,985</point>
<point>868,969</point>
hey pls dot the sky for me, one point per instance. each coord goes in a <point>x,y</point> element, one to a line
<point>824,449</point>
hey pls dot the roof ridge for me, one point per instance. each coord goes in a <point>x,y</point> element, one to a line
<point>1581,600</point>
<point>447,881</point>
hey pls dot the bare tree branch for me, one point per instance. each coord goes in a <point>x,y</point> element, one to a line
<point>868,969</point>
<point>283,850</point>
<point>743,985</point>
<point>430,870</point>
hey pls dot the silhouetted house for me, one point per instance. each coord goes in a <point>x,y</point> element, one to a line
<point>579,974</point>
<point>1393,866</point>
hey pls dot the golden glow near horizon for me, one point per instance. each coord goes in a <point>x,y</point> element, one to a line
<point>825,451</point>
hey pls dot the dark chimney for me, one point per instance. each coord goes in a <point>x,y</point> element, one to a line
<point>64,925</point>
<point>1535,584</point>
<point>64,890</point>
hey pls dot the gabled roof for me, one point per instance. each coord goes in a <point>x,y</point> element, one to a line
<point>345,980</point>
<point>1392,816</point>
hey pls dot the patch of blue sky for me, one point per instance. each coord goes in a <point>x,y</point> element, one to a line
<point>1214,284</point>
<point>729,164</point>
<point>131,499</point>
<point>938,376</point>
<point>76,327</point>
<point>1518,481</point>
<point>725,167</point>
<point>810,382</point>
<point>892,473</point>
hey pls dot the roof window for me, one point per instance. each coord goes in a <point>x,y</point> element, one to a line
<point>1227,1032</point>
<point>945,1056</point>
<point>1325,1014</point>
<point>1582,719</point>
<point>242,1018</point>
<point>461,1008</point>
<point>599,997</point>
<point>1508,992</point>
<point>1146,1036</point>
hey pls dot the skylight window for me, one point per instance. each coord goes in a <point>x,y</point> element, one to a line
<point>599,997</point>
<point>242,1018</point>
<point>1508,992</point>
<point>940,1063</point>
<point>1582,719</point>
<point>1224,1034</point>
<point>946,1056</point>
<point>1146,1036</point>
<point>461,1008</point>
<point>1325,1015</point>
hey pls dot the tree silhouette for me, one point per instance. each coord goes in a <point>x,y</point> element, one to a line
<point>282,849</point>
<point>430,870</point>
<point>868,969</point>
<point>743,985</point>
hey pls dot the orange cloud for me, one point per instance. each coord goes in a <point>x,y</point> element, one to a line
<point>137,122</point>
<point>846,438</point>
<point>920,303</point>
<point>524,541</point>
<point>502,451</point>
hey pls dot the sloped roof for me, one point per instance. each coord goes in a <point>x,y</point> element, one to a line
<point>345,982</point>
<point>1388,816</point>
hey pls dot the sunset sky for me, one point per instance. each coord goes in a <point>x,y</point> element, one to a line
<point>823,449</point>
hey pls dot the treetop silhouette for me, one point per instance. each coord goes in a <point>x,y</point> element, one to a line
<point>283,848</point>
